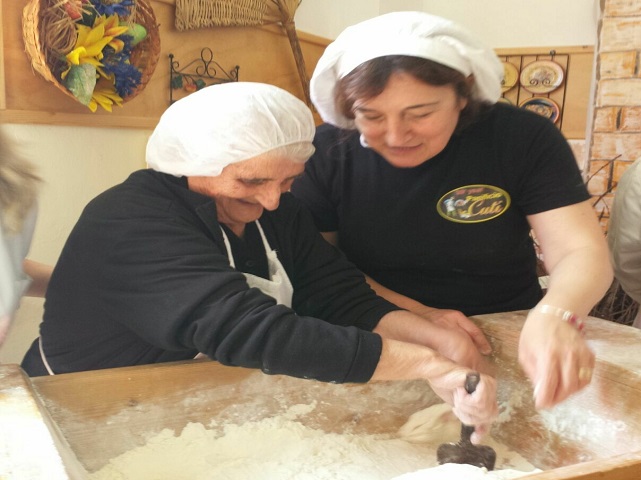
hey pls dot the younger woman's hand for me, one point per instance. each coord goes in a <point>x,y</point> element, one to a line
<point>455,320</point>
<point>555,357</point>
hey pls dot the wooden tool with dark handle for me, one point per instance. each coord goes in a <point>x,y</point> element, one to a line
<point>465,451</point>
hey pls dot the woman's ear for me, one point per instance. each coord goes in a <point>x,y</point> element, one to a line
<point>464,97</point>
<point>470,80</point>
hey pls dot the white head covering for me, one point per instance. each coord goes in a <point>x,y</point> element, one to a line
<point>415,34</point>
<point>204,132</point>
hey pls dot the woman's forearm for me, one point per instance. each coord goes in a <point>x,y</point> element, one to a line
<point>398,299</point>
<point>452,343</point>
<point>40,274</point>
<point>405,361</point>
<point>576,256</point>
<point>579,280</point>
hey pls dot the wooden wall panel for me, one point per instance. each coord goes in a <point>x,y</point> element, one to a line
<point>263,54</point>
<point>572,96</point>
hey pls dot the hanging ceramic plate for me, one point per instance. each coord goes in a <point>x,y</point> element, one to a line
<point>542,76</point>
<point>505,100</point>
<point>510,76</point>
<point>543,106</point>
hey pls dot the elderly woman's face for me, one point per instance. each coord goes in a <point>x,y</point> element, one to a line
<point>245,188</point>
<point>410,121</point>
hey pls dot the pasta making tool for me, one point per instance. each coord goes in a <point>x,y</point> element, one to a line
<point>465,451</point>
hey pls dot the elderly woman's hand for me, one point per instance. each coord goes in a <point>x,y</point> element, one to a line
<point>556,358</point>
<point>478,408</point>
<point>406,361</point>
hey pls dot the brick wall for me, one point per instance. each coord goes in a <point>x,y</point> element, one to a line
<point>616,125</point>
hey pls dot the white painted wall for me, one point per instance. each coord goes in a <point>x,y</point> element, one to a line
<point>78,163</point>
<point>500,23</point>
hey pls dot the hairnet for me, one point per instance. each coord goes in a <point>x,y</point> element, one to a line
<point>415,34</point>
<point>204,132</point>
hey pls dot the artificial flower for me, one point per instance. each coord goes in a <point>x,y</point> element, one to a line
<point>88,48</point>
<point>92,40</point>
<point>116,67</point>
<point>103,48</point>
<point>113,7</point>
<point>105,97</point>
<point>113,29</point>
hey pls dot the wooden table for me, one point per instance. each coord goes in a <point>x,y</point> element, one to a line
<point>594,435</point>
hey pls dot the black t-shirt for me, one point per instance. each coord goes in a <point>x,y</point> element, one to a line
<point>452,232</point>
<point>144,278</point>
<point>249,251</point>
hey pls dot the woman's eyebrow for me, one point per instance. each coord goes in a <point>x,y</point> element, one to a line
<point>410,107</point>
<point>422,105</point>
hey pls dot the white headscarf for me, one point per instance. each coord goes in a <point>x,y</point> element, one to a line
<point>204,132</point>
<point>415,34</point>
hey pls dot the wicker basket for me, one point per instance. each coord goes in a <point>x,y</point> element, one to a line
<point>49,62</point>
<point>192,14</point>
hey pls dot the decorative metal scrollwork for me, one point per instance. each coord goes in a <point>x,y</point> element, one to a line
<point>198,73</point>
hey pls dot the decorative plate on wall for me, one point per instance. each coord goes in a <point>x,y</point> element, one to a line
<point>505,100</point>
<point>543,106</point>
<point>510,76</point>
<point>542,76</point>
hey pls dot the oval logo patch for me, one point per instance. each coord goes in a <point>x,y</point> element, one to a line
<point>473,203</point>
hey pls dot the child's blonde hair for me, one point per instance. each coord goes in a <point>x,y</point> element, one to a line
<point>18,186</point>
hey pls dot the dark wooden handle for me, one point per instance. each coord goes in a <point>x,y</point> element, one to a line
<point>471,381</point>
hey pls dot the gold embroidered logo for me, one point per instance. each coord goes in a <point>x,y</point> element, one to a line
<point>473,203</point>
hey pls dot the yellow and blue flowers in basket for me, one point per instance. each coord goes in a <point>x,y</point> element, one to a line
<point>98,69</point>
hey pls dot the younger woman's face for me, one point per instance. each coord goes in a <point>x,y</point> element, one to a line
<point>409,122</point>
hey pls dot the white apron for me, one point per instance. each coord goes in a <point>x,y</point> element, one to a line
<point>278,286</point>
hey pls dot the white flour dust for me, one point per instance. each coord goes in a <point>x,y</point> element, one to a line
<point>282,448</point>
<point>23,432</point>
<point>451,471</point>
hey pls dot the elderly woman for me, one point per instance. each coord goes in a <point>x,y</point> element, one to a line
<point>432,189</point>
<point>206,254</point>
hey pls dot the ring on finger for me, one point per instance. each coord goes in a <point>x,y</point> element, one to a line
<point>585,374</point>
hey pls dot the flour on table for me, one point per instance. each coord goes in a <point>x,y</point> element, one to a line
<point>24,432</point>
<point>450,471</point>
<point>282,448</point>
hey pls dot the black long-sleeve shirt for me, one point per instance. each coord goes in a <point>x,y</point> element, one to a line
<point>144,277</point>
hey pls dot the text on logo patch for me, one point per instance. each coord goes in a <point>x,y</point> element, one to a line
<point>473,203</point>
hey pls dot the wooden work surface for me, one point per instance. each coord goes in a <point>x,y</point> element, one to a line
<point>594,435</point>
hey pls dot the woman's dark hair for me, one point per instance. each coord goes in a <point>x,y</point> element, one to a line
<point>370,78</point>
